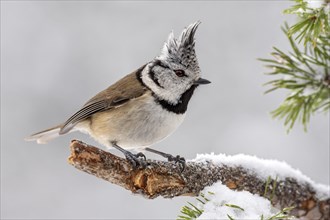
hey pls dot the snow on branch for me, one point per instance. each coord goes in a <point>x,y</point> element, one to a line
<point>274,180</point>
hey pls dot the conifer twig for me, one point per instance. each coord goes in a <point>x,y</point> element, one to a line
<point>305,71</point>
<point>165,179</point>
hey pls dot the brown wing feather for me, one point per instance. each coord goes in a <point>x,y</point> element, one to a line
<point>115,95</point>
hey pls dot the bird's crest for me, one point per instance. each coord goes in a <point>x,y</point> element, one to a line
<point>182,49</point>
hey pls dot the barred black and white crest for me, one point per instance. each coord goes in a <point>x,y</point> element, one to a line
<point>182,49</point>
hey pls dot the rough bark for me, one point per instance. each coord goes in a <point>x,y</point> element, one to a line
<point>165,179</point>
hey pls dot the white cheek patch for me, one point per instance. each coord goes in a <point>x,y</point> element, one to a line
<point>171,95</point>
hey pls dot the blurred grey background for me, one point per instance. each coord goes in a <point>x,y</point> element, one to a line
<point>55,55</point>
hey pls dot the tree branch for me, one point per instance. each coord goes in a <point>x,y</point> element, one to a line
<point>162,178</point>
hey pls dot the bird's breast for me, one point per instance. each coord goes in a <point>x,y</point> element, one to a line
<point>139,123</point>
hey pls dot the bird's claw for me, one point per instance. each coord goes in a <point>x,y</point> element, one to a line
<point>141,155</point>
<point>178,160</point>
<point>137,160</point>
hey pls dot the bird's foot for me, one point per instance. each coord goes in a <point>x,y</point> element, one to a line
<point>177,160</point>
<point>136,160</point>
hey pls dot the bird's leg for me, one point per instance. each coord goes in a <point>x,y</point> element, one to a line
<point>137,160</point>
<point>177,159</point>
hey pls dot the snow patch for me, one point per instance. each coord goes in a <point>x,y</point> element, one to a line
<point>264,168</point>
<point>314,4</point>
<point>327,8</point>
<point>217,208</point>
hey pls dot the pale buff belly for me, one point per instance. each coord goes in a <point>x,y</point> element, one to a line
<point>136,124</point>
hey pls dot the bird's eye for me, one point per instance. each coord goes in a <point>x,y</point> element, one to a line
<point>179,73</point>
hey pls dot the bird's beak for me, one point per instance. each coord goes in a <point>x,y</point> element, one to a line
<point>201,81</point>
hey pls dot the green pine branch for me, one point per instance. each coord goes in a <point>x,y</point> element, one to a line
<point>305,72</point>
<point>190,211</point>
<point>314,22</point>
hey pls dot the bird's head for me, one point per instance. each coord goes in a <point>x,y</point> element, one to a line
<point>176,69</point>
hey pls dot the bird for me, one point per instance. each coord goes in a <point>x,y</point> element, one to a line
<point>143,107</point>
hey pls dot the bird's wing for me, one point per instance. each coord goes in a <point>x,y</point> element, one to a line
<point>114,96</point>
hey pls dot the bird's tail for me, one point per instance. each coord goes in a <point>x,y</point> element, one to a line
<point>44,136</point>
